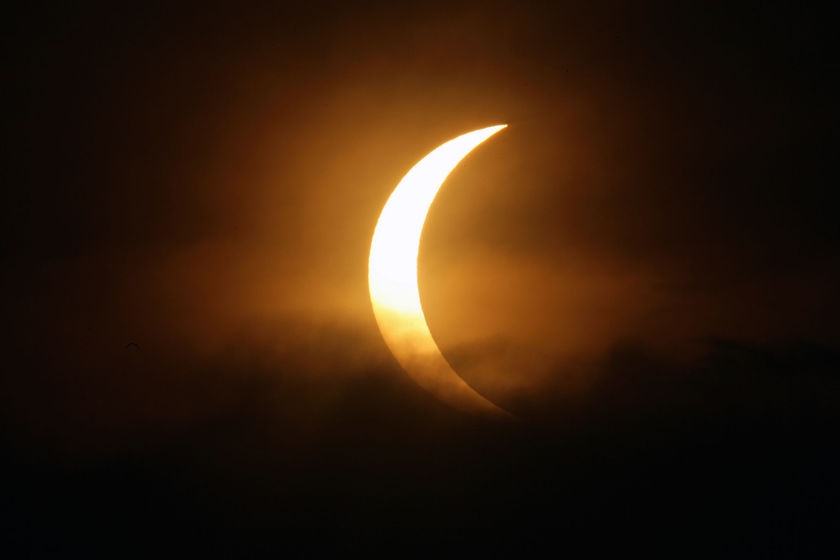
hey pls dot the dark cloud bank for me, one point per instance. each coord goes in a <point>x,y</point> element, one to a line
<point>733,450</point>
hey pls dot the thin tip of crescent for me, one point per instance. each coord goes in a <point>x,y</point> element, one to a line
<point>489,131</point>
<point>507,416</point>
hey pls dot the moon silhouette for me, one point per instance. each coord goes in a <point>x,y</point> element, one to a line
<point>392,276</point>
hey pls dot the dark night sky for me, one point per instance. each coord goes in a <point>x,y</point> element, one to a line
<point>643,267</point>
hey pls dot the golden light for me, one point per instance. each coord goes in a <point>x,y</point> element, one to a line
<point>392,275</point>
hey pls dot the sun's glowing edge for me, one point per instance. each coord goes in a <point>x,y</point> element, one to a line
<point>392,274</point>
<point>392,269</point>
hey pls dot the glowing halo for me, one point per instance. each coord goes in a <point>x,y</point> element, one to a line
<point>392,275</point>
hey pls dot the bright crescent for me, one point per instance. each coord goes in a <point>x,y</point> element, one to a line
<point>392,275</point>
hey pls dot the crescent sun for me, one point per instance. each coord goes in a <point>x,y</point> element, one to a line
<point>392,275</point>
